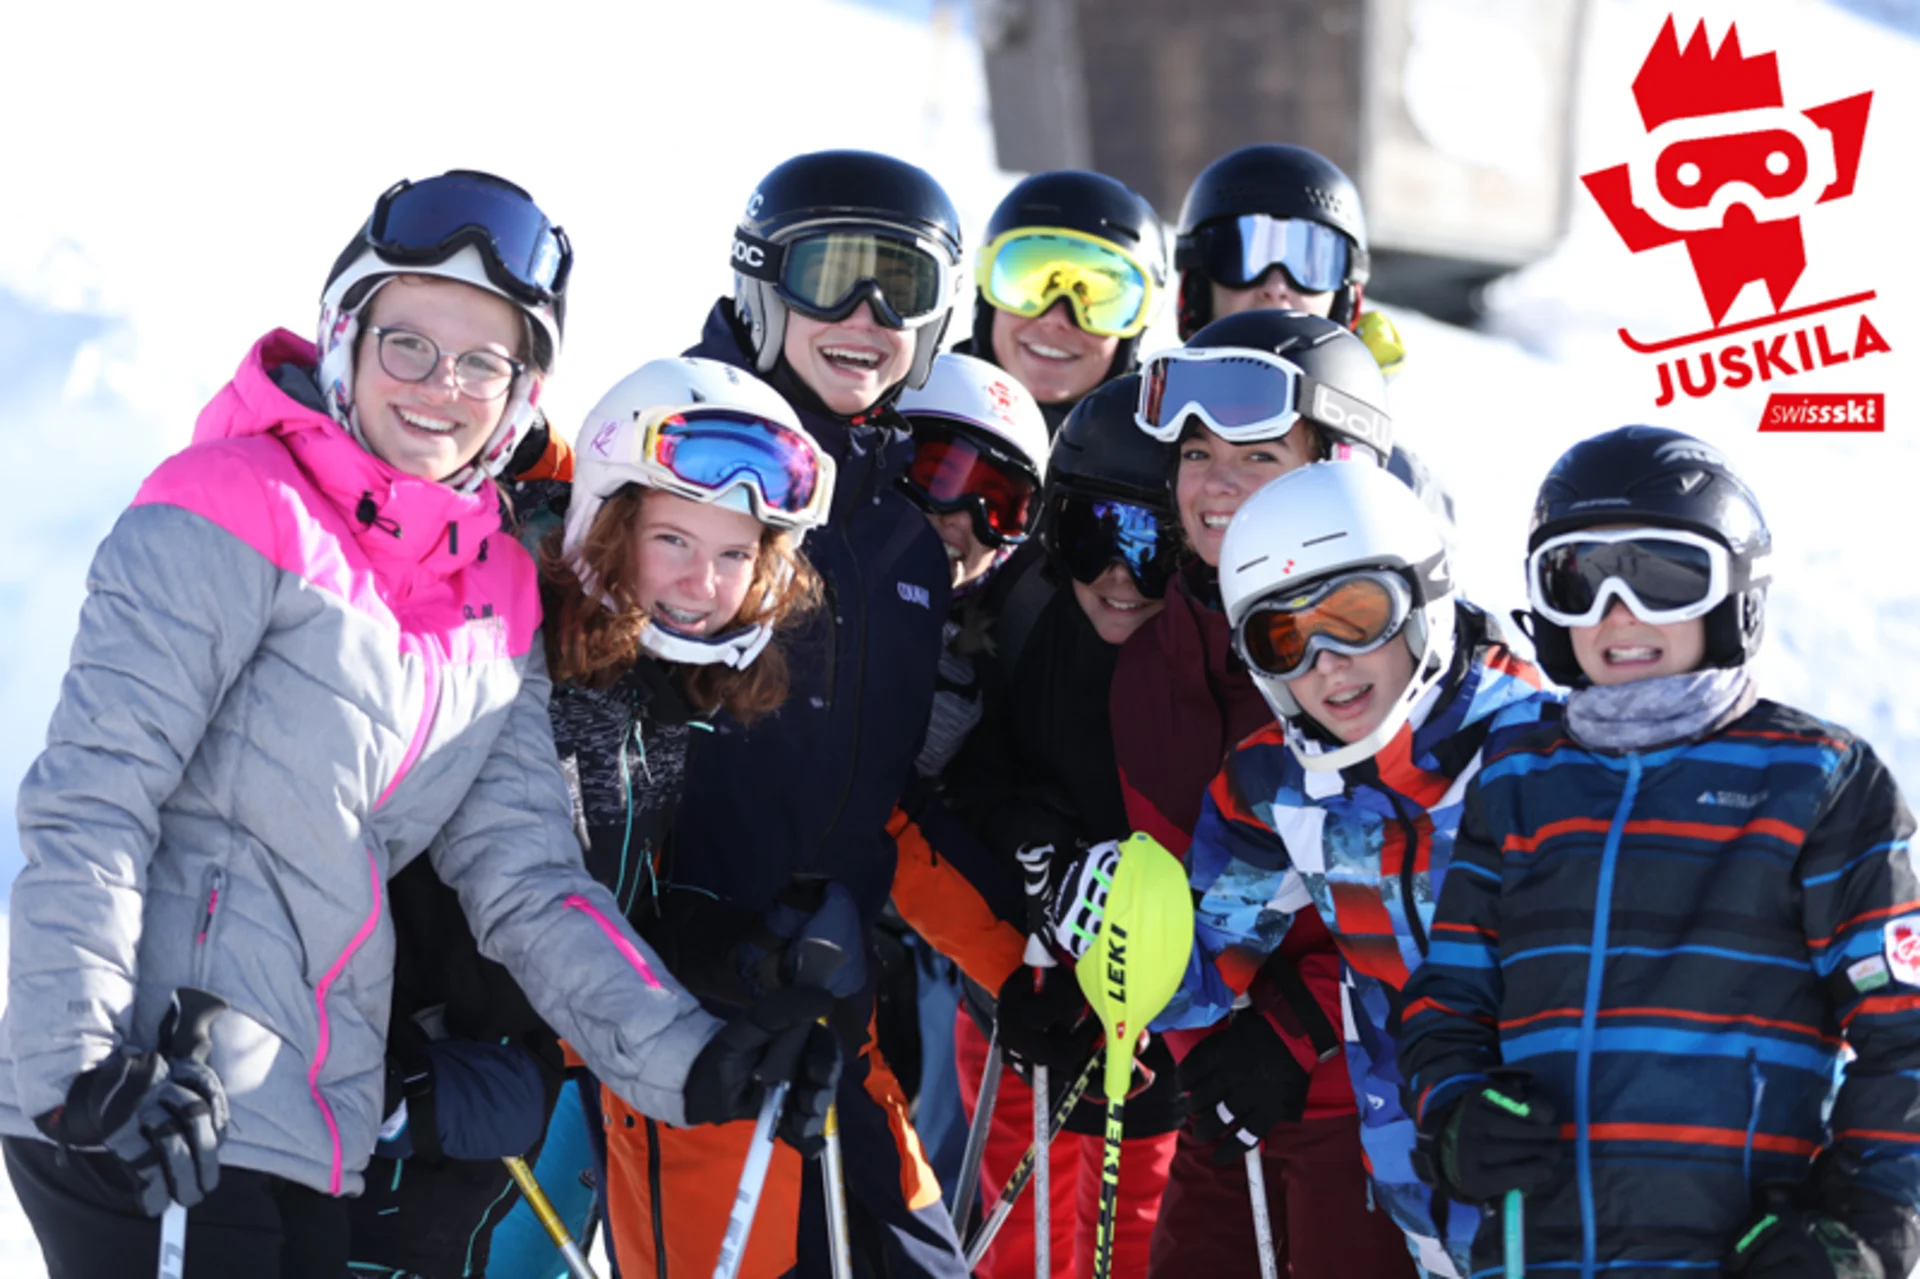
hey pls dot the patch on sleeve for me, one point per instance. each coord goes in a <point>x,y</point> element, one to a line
<point>1869,974</point>
<point>1903,949</point>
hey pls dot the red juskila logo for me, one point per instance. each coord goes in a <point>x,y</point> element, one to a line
<point>1728,170</point>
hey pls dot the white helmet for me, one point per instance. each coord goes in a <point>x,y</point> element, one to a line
<point>463,225</point>
<point>988,403</point>
<point>1320,521</point>
<point>709,432</point>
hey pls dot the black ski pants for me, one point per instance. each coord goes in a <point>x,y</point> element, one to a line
<point>252,1225</point>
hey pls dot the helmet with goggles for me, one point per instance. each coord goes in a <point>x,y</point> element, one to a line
<point>1106,495</point>
<point>467,226</point>
<point>980,445</point>
<point>1266,206</point>
<point>1254,375</point>
<point>1655,519</point>
<point>1079,236</point>
<point>831,231</point>
<point>1336,558</point>
<point>708,432</point>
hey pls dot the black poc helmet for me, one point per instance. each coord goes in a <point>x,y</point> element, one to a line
<point>1328,353</point>
<point>1664,479</point>
<point>1282,182</point>
<point>1093,204</point>
<point>844,188</point>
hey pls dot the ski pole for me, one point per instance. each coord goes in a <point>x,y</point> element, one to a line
<point>542,1207</point>
<point>193,1014</point>
<point>1035,862</point>
<point>1023,1171</point>
<point>836,1177</point>
<point>969,1186</point>
<point>1257,1192</point>
<point>1129,974</point>
<point>1516,1235</point>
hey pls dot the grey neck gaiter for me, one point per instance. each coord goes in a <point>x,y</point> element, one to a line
<point>1659,712</point>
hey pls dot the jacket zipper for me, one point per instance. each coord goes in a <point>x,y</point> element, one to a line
<point>859,690</point>
<point>215,881</point>
<point>654,1190</point>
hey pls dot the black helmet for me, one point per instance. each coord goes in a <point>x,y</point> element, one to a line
<point>1329,354</point>
<point>1091,203</point>
<point>1665,479</point>
<point>845,188</point>
<point>1282,182</point>
<point>1100,456</point>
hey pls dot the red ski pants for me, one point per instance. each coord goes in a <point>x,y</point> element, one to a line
<point>1075,1169</point>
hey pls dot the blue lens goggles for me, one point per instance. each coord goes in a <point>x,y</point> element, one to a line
<point>1236,252</point>
<point>424,223</point>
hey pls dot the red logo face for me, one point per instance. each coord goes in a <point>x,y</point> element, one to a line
<point>1728,170</point>
<point>1903,947</point>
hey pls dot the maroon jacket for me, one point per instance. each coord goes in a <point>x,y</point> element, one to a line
<point>1181,701</point>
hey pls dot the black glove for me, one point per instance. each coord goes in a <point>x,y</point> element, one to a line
<point>777,1039</point>
<point>1500,1136</point>
<point>1786,1242</point>
<point>1242,1082</point>
<point>811,910</point>
<point>1051,1026</point>
<point>162,1116</point>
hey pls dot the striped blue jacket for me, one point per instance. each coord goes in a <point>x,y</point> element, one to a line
<point>1676,944</point>
<point>1368,847</point>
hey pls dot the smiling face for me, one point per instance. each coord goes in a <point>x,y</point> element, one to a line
<point>1052,356</point>
<point>1351,696</point>
<point>693,562</point>
<point>967,555</point>
<point>429,428</point>
<point>1114,604</point>
<point>848,363</point>
<point>1215,477</point>
<point>1622,648</point>
<point>1271,292</point>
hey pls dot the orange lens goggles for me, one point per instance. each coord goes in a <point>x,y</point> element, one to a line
<point>1353,614</point>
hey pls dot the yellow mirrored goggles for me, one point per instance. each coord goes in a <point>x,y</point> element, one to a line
<point>1029,269</point>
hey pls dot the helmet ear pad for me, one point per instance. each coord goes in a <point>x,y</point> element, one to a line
<point>1553,652</point>
<point>765,316</point>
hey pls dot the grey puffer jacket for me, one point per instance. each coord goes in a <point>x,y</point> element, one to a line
<point>296,671</point>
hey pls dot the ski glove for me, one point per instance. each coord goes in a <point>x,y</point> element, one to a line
<point>161,1116</point>
<point>780,1038</point>
<point>1786,1242</point>
<point>1242,1082</point>
<point>1051,1026</point>
<point>1077,900</point>
<point>1500,1136</point>
<point>807,910</point>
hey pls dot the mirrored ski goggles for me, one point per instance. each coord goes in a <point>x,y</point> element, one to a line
<point>951,472</point>
<point>1029,269</point>
<point>425,223</point>
<point>702,453</point>
<point>1353,613</point>
<point>825,274</point>
<point>1663,575</point>
<point>1236,252</point>
<point>1244,395</point>
<point>1085,535</point>
<point>1690,171</point>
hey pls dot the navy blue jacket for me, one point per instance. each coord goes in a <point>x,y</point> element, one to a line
<point>1675,943</point>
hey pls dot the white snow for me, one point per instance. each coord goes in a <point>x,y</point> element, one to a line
<point>179,186</point>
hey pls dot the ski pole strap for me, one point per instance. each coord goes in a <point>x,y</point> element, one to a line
<point>1312,1018</point>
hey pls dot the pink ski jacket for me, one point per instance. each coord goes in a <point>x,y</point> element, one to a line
<point>297,670</point>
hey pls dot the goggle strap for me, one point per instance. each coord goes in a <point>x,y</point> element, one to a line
<point>1342,413</point>
<point>755,258</point>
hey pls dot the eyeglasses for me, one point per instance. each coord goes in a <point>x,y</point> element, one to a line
<point>1664,575</point>
<point>1086,534</point>
<point>1245,395</point>
<point>701,453</point>
<point>1353,613</point>
<point>1028,269</point>
<point>413,357</point>
<point>424,223</point>
<point>951,472</point>
<point>825,274</point>
<point>1236,252</point>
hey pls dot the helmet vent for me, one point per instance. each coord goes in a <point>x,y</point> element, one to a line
<point>1324,537</point>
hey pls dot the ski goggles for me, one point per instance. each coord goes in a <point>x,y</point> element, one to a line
<point>1029,269</point>
<point>1236,252</point>
<point>828,272</point>
<point>1353,613</point>
<point>952,472</point>
<point>702,453</point>
<point>1663,575</point>
<point>425,223</point>
<point>1244,395</point>
<point>1691,170</point>
<point>1086,534</point>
